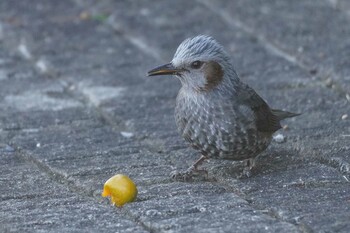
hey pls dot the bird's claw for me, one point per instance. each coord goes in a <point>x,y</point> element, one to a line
<point>248,169</point>
<point>182,176</point>
<point>188,175</point>
<point>246,173</point>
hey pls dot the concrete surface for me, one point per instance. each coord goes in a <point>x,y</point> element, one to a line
<point>76,108</point>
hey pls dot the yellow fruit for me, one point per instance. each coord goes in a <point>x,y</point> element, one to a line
<point>121,189</point>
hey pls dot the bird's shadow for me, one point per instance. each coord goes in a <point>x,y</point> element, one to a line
<point>274,160</point>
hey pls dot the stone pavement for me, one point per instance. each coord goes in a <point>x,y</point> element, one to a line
<point>77,107</point>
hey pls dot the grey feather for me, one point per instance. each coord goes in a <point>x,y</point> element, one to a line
<point>229,120</point>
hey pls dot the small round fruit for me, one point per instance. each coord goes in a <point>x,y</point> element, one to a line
<point>121,189</point>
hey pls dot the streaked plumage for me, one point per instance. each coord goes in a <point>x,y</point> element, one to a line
<point>215,112</point>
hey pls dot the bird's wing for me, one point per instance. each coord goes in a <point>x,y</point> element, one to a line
<point>265,120</point>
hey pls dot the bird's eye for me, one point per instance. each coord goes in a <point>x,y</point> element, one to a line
<point>196,64</point>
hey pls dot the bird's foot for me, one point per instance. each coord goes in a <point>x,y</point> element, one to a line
<point>248,169</point>
<point>190,172</point>
<point>183,176</point>
<point>246,173</point>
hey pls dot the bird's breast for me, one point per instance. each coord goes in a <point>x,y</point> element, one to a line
<point>218,129</point>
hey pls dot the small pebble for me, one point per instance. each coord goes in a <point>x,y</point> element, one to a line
<point>329,82</point>
<point>279,138</point>
<point>321,55</point>
<point>313,71</point>
<point>72,87</point>
<point>344,117</point>
<point>9,149</point>
<point>127,134</point>
<point>84,15</point>
<point>6,148</point>
<point>42,66</point>
<point>23,50</point>
<point>347,97</point>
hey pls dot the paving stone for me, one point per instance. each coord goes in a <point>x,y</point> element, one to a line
<point>200,208</point>
<point>33,202</point>
<point>313,40</point>
<point>78,108</point>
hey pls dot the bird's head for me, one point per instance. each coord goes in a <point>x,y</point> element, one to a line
<point>200,63</point>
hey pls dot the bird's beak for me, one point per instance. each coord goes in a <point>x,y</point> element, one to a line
<point>167,69</point>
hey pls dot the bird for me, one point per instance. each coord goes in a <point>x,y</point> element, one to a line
<point>215,112</point>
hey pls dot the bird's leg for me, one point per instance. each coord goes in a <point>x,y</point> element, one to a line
<point>187,175</point>
<point>247,171</point>
<point>194,167</point>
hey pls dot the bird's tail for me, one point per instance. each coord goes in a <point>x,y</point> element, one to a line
<point>283,114</point>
